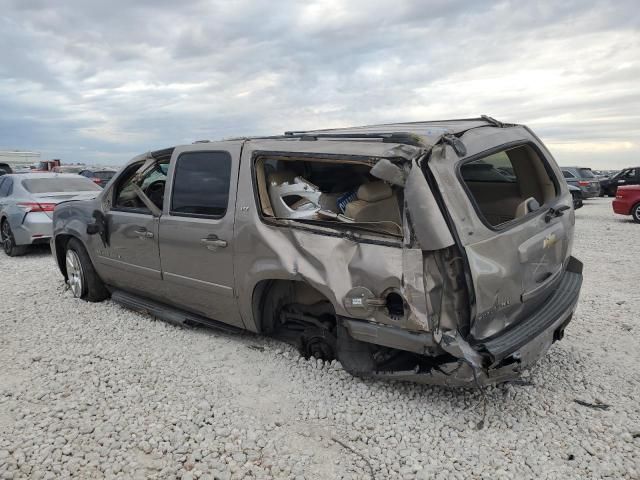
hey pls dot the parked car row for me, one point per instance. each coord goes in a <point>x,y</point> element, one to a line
<point>99,176</point>
<point>593,184</point>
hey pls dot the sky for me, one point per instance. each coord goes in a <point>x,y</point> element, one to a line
<point>100,82</point>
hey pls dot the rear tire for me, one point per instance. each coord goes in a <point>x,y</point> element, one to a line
<point>635,212</point>
<point>9,242</point>
<point>81,276</point>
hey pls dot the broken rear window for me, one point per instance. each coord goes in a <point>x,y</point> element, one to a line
<point>329,192</point>
<point>508,184</point>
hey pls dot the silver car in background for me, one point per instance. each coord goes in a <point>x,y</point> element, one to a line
<point>27,202</point>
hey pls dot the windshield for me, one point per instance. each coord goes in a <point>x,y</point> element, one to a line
<point>586,173</point>
<point>59,184</point>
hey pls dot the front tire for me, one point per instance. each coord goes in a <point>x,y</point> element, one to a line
<point>9,242</point>
<point>635,213</point>
<point>82,278</point>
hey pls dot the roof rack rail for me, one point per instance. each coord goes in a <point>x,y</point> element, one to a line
<point>394,137</point>
<point>493,121</point>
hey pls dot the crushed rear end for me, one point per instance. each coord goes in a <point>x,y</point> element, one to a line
<point>489,209</point>
<point>512,218</point>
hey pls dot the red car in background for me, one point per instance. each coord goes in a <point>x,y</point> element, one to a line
<point>627,201</point>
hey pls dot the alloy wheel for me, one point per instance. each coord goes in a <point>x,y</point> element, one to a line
<point>75,274</point>
<point>7,243</point>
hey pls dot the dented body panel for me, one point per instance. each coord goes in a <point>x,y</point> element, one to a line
<point>433,293</point>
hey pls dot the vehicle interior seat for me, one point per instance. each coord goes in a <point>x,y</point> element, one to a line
<point>375,202</point>
<point>528,206</point>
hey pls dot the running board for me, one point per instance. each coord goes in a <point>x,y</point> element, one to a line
<point>167,313</point>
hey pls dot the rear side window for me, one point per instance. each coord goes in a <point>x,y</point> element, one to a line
<point>508,184</point>
<point>4,186</point>
<point>47,185</point>
<point>201,184</point>
<point>567,174</point>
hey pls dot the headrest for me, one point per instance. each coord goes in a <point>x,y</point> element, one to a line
<point>374,191</point>
<point>283,176</point>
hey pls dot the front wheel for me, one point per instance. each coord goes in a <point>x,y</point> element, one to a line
<point>82,278</point>
<point>635,212</point>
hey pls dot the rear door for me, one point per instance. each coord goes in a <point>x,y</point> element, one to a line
<point>515,246</point>
<point>196,230</point>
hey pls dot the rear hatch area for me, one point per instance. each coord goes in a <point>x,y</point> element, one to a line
<point>514,220</point>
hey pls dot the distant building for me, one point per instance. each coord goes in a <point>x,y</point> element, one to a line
<point>19,157</point>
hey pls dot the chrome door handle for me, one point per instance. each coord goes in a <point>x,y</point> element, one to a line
<point>143,233</point>
<point>212,242</point>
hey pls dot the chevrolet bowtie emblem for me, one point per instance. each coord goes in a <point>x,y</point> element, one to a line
<point>550,241</point>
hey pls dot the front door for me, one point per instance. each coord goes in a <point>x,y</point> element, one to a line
<point>627,177</point>
<point>196,230</point>
<point>130,259</point>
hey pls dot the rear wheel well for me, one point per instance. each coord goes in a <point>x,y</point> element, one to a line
<point>298,314</point>
<point>270,296</point>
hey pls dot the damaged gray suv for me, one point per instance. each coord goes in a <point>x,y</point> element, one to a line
<point>435,252</point>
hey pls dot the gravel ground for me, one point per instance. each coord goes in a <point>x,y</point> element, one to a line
<point>97,391</point>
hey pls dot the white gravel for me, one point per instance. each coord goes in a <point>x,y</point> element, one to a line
<point>94,390</point>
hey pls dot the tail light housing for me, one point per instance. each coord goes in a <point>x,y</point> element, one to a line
<point>96,180</point>
<point>37,207</point>
<point>584,183</point>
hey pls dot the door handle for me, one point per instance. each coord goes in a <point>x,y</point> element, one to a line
<point>212,242</point>
<point>143,233</point>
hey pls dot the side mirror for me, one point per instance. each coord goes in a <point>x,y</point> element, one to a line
<point>99,226</point>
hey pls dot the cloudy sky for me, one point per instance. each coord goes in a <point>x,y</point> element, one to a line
<point>102,81</point>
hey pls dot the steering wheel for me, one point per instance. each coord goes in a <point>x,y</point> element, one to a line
<point>155,192</point>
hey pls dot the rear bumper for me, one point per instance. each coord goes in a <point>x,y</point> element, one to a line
<point>553,313</point>
<point>591,190</point>
<point>507,355</point>
<point>36,227</point>
<point>621,207</point>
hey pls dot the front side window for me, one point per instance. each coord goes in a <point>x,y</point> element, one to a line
<point>152,183</point>
<point>509,184</point>
<point>630,174</point>
<point>201,184</point>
